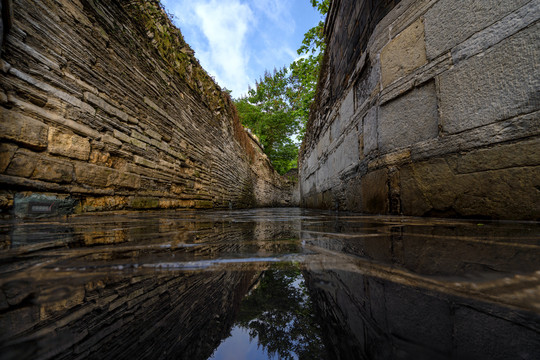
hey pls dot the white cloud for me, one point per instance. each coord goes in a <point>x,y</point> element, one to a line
<point>225,26</point>
<point>278,11</point>
<point>218,31</point>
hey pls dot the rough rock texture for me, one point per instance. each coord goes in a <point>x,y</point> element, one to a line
<point>427,107</point>
<point>103,100</point>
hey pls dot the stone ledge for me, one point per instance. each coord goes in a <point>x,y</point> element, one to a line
<point>521,127</point>
<point>506,27</point>
<point>77,128</point>
<point>53,91</point>
<point>416,78</point>
<point>105,106</point>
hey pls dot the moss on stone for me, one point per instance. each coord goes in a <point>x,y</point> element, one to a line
<point>144,203</point>
<point>167,39</point>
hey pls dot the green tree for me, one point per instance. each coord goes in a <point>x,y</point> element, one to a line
<point>267,111</point>
<point>305,71</point>
<point>277,109</point>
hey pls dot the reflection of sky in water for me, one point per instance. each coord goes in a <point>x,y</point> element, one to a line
<point>240,346</point>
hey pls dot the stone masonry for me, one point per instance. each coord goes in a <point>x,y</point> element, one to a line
<point>103,106</point>
<point>427,107</point>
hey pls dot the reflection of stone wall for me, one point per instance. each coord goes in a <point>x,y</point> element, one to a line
<point>105,101</point>
<point>427,108</point>
<point>170,316</point>
<point>130,285</point>
<point>377,318</point>
<point>451,252</point>
<point>426,289</point>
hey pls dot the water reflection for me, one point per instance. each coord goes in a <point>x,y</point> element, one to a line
<point>278,316</point>
<point>292,283</point>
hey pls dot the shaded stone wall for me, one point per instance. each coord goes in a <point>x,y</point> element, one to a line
<point>104,106</point>
<point>178,316</point>
<point>427,107</point>
<point>425,292</point>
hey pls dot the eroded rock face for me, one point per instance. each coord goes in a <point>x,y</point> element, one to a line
<point>432,110</point>
<point>106,102</point>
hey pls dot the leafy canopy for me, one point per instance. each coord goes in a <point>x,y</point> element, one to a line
<point>277,109</point>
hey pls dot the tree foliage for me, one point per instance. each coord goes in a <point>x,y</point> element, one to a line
<point>277,108</point>
<point>280,314</point>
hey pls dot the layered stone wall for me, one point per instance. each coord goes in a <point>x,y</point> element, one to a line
<point>104,106</point>
<point>427,107</point>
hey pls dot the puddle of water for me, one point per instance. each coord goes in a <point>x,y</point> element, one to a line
<point>268,283</point>
<point>276,320</point>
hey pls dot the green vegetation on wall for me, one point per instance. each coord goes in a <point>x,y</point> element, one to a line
<point>167,39</point>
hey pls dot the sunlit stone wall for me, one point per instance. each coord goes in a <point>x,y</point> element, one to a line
<point>427,107</point>
<point>104,106</point>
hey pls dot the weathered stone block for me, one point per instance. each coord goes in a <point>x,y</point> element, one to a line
<point>153,134</point>
<point>137,143</point>
<point>143,202</point>
<point>121,136</point>
<point>506,27</point>
<point>431,188</point>
<point>93,175</point>
<point>108,139</point>
<point>485,89</point>
<point>346,111</point>
<point>23,163</point>
<point>203,204</point>
<point>525,153</point>
<point>375,198</point>
<point>103,203</point>
<point>451,22</point>
<point>53,171</point>
<point>368,83</point>
<point>144,162</point>
<point>353,195</point>
<point>69,145</point>
<point>127,180</point>
<point>345,155</point>
<point>22,129</point>
<point>370,131</point>
<point>53,91</point>
<point>411,118</point>
<point>6,154</point>
<point>405,53</point>
<point>425,186</point>
<point>139,136</point>
<point>104,105</point>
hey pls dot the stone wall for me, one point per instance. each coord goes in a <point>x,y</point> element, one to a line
<point>427,107</point>
<point>104,106</point>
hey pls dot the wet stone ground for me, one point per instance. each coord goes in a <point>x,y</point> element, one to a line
<point>268,283</point>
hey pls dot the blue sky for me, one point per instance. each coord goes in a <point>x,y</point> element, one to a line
<point>236,40</point>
